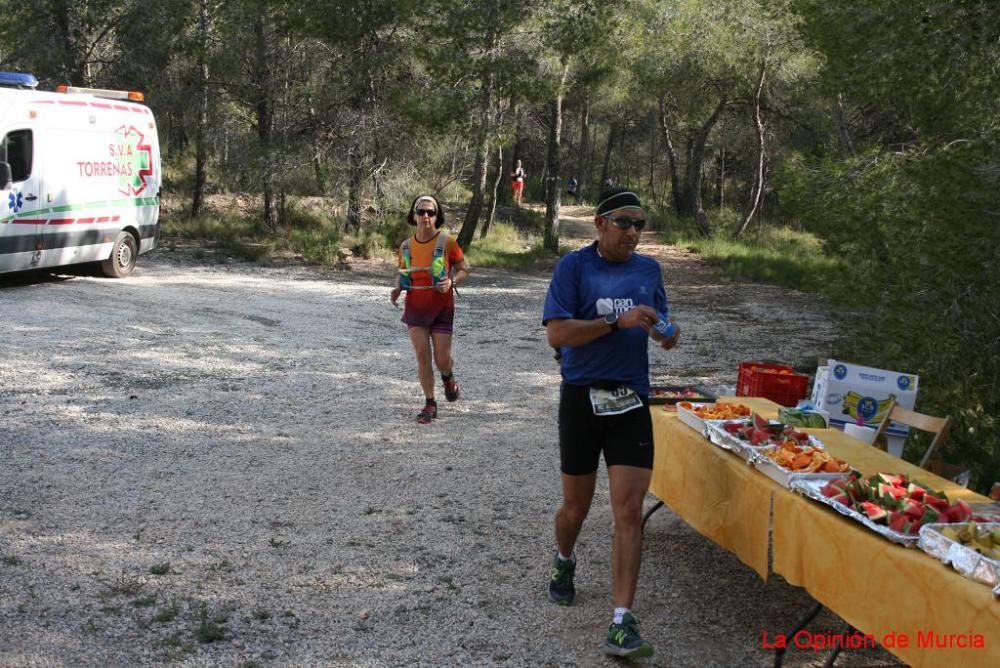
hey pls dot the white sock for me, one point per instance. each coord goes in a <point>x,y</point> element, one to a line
<point>619,614</point>
<point>562,558</point>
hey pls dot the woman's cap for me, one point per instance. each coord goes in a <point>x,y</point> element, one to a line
<point>425,198</point>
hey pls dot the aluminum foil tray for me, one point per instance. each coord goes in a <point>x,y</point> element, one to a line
<point>754,453</point>
<point>811,488</point>
<point>966,561</point>
<point>722,438</point>
<point>784,477</point>
<point>716,434</point>
<point>673,394</point>
<point>692,420</point>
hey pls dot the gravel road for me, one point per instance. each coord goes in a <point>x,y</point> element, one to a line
<point>218,464</point>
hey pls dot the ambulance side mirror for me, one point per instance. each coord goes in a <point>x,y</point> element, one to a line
<point>6,179</point>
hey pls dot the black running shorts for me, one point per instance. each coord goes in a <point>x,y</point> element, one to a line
<point>625,439</point>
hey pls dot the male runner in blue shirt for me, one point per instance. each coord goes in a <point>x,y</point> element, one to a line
<point>602,305</point>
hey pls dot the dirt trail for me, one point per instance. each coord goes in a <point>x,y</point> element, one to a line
<point>218,464</point>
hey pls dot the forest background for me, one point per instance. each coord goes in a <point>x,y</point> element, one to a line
<point>848,148</point>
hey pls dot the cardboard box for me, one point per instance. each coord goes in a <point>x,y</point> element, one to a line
<point>848,390</point>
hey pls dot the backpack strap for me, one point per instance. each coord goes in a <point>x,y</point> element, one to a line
<point>438,268</point>
<point>404,271</point>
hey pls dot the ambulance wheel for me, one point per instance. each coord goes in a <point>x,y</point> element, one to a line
<point>123,256</point>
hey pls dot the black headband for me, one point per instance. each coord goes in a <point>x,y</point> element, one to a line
<point>618,201</point>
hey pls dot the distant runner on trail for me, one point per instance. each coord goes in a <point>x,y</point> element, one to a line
<point>517,183</point>
<point>431,264</point>
<point>571,186</point>
<point>600,311</point>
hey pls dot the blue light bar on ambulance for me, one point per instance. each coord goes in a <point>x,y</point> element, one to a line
<point>18,80</point>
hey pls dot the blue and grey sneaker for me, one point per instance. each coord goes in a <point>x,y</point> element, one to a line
<point>624,641</point>
<point>561,588</point>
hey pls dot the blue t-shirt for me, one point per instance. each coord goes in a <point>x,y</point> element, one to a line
<point>585,286</point>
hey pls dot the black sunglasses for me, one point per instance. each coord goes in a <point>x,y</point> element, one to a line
<point>625,223</point>
<point>426,212</point>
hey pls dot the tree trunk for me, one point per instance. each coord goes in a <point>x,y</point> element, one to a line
<point>592,157</point>
<point>652,166</point>
<point>67,23</point>
<point>264,108</point>
<point>692,182</point>
<point>355,183</point>
<point>757,189</point>
<point>492,206</point>
<point>553,166</point>
<point>607,158</point>
<point>675,186</point>
<point>720,180</point>
<point>468,231</point>
<point>201,141</point>
<point>584,150</point>
<point>841,122</point>
<point>317,150</point>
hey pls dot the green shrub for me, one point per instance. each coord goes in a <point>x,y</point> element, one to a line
<point>922,234</point>
<point>780,256</point>
<point>505,247</point>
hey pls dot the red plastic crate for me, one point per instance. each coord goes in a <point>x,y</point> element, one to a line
<point>777,382</point>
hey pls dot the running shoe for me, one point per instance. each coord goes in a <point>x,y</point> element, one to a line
<point>561,589</point>
<point>624,641</point>
<point>429,412</point>
<point>451,389</point>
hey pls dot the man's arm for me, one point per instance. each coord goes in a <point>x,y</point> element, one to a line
<point>573,332</point>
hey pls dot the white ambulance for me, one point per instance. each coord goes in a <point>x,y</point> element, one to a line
<point>79,177</point>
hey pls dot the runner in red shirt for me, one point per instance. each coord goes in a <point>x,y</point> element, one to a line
<point>431,264</point>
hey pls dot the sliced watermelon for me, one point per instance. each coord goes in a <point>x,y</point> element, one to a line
<point>938,503</point>
<point>858,492</point>
<point>732,427</point>
<point>913,509</point>
<point>958,512</point>
<point>913,527</point>
<point>897,521</point>
<point>874,512</point>
<point>896,479</point>
<point>760,422</point>
<point>829,490</point>
<point>915,491</point>
<point>930,515</point>
<point>950,514</point>
<point>844,500</point>
<point>882,489</point>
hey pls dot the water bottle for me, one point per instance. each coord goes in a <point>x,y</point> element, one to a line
<point>665,328</point>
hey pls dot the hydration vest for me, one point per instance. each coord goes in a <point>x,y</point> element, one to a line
<point>437,270</point>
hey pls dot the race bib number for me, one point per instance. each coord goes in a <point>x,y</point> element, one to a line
<point>615,401</point>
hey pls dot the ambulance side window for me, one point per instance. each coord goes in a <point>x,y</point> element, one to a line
<point>16,150</point>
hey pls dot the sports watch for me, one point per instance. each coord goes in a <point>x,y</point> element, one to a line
<point>612,320</point>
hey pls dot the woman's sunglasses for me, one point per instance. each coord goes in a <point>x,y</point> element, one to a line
<point>426,212</point>
<point>625,223</point>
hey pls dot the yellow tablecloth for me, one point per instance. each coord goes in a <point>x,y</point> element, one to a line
<point>713,490</point>
<point>881,588</point>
